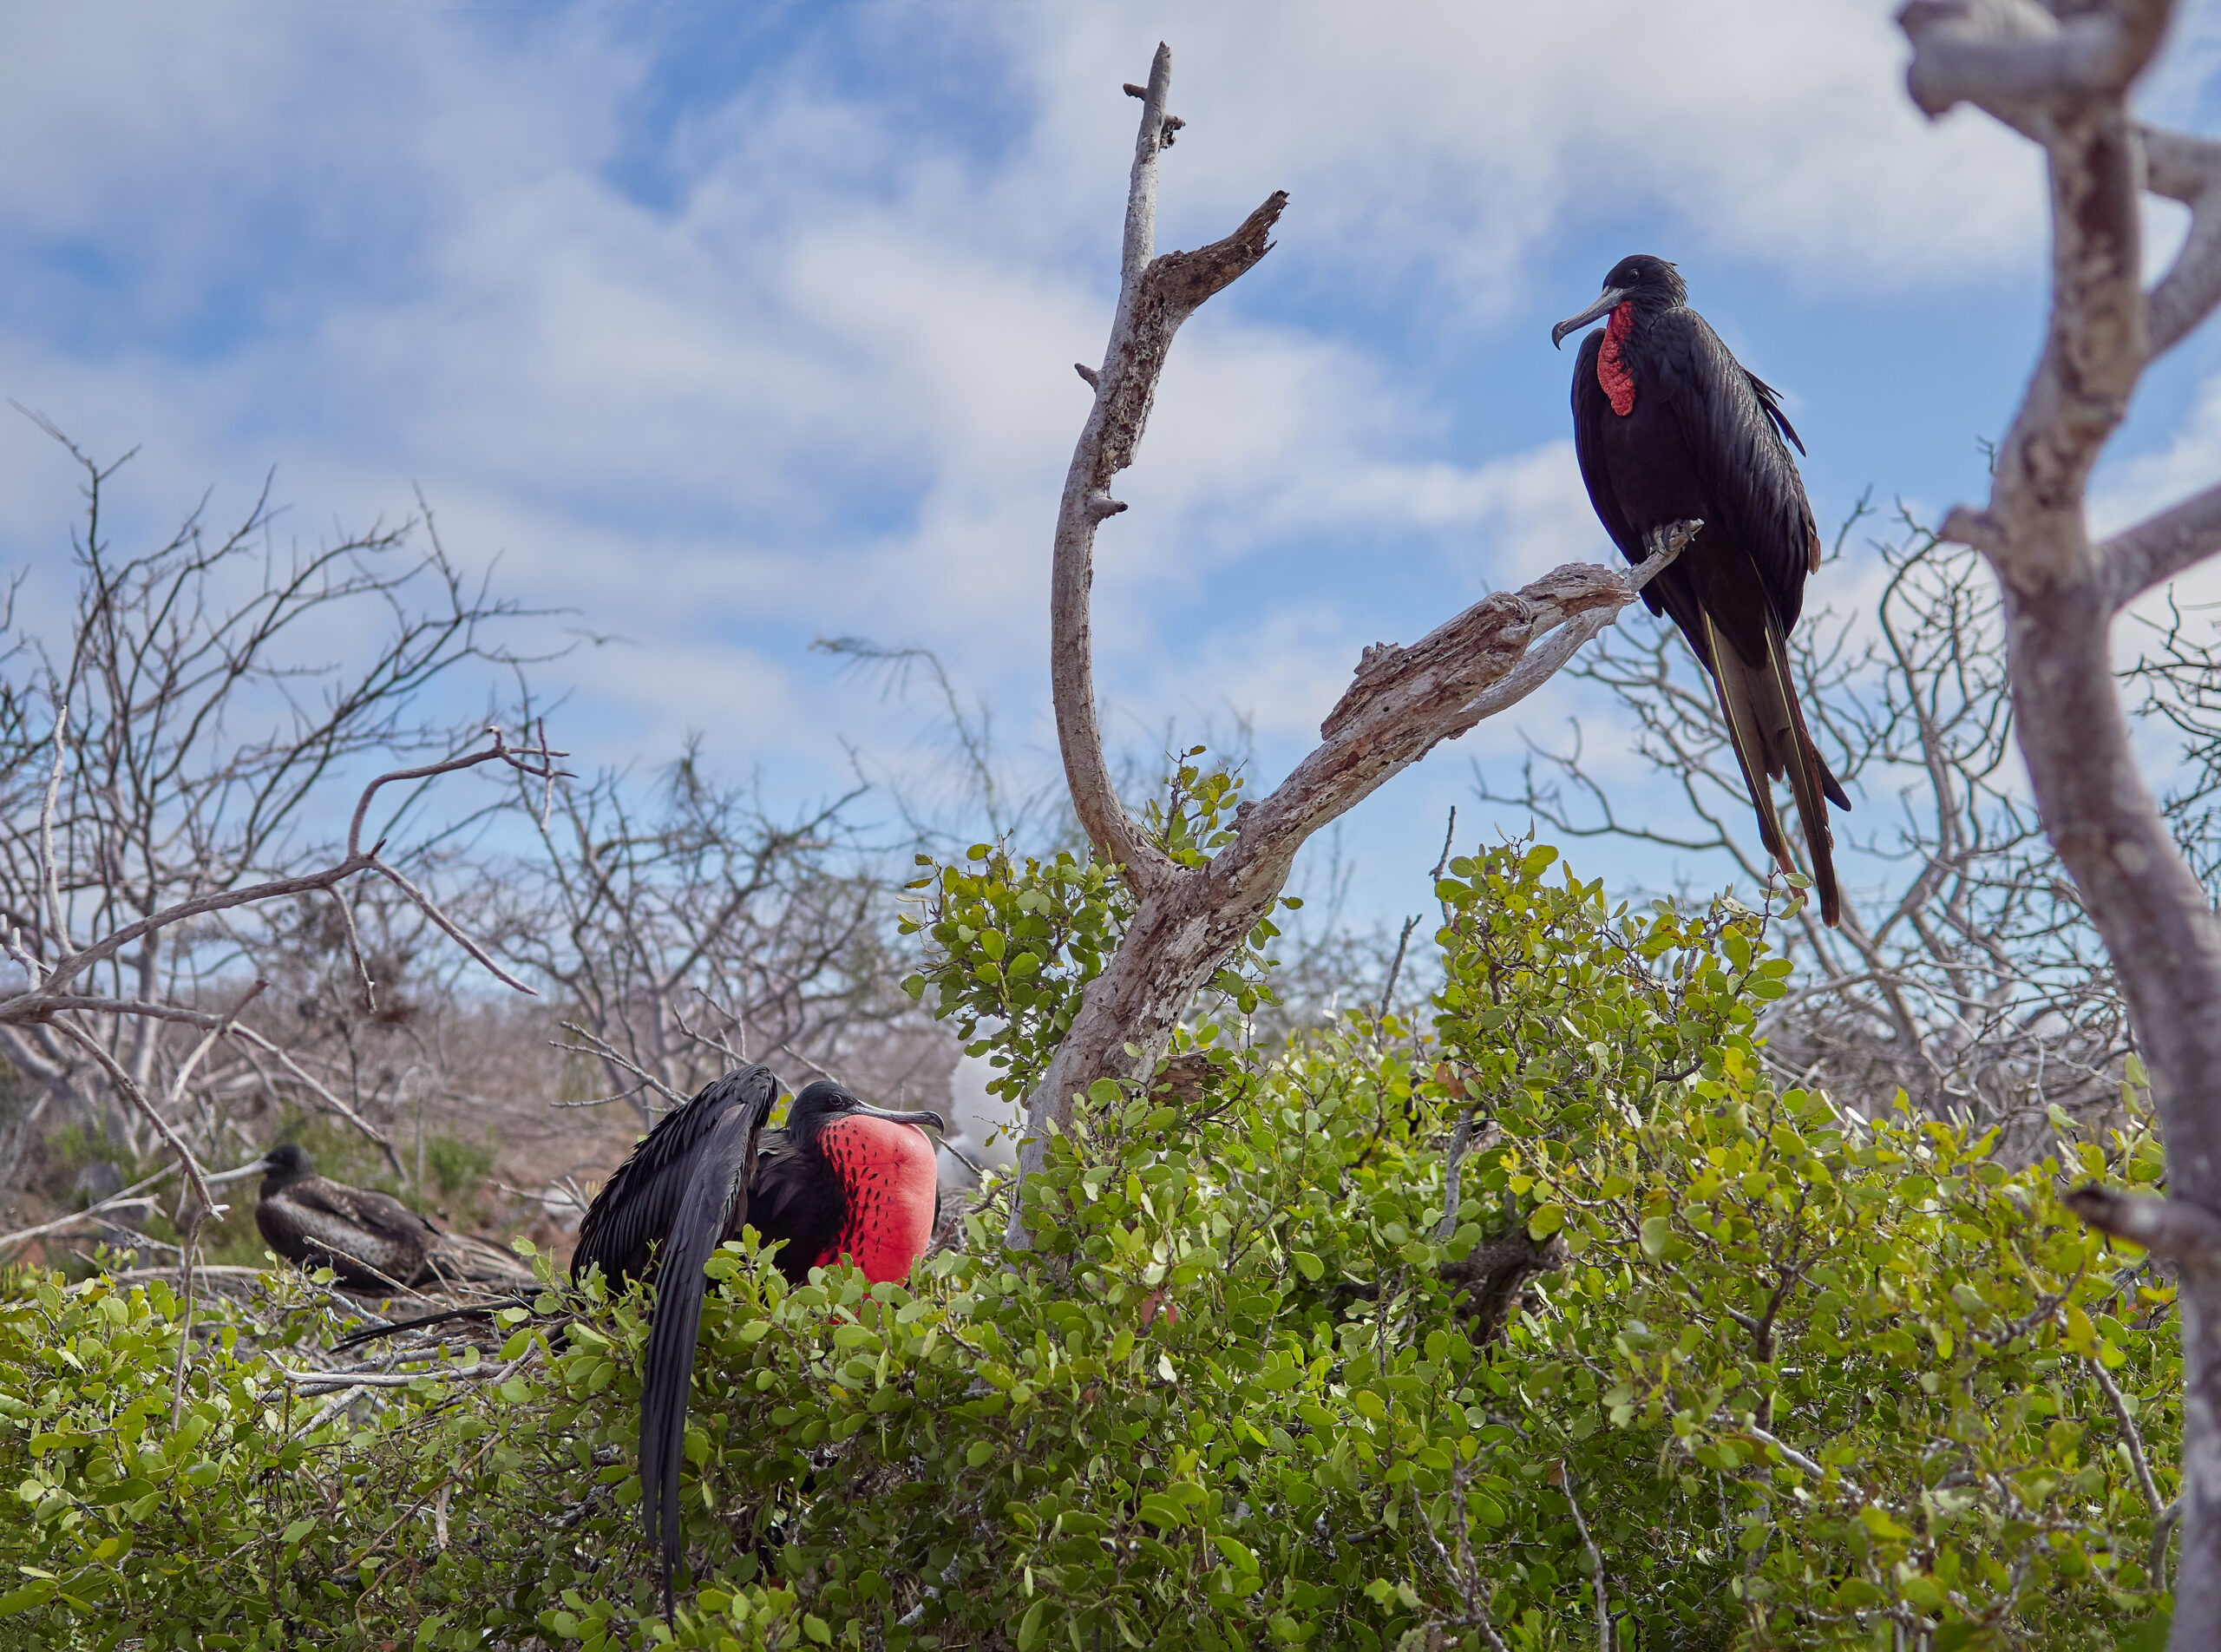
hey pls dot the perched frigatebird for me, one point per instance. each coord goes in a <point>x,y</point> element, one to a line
<point>370,1240</point>
<point>1669,427</point>
<point>843,1180</point>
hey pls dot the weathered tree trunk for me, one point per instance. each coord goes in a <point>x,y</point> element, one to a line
<point>2063,81</point>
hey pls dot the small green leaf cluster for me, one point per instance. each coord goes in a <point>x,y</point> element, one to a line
<point>1194,819</point>
<point>1011,943</point>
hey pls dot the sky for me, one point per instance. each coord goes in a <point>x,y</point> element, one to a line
<point>726,328</point>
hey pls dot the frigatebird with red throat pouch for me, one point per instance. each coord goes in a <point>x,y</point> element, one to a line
<point>1669,427</point>
<point>842,1181</point>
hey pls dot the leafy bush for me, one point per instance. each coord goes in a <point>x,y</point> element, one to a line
<point>1282,1373</point>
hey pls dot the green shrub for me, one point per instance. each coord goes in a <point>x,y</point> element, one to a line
<point>1797,1378</point>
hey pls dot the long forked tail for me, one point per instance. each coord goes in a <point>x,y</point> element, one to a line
<point>1766,725</point>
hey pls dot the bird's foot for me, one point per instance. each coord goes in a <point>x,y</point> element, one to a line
<point>1664,543</point>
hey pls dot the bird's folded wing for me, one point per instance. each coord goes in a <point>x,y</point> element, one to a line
<point>377,1214</point>
<point>714,1200</point>
<point>1743,465</point>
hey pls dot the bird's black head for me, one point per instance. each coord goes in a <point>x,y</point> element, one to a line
<point>283,1163</point>
<point>1651,282</point>
<point>825,1104</point>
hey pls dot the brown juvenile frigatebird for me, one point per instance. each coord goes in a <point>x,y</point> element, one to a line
<point>370,1240</point>
<point>1669,427</point>
<point>843,1180</point>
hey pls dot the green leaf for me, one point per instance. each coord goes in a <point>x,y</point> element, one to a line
<point>1034,1625</point>
<point>1657,1233</point>
<point>1878,1522</point>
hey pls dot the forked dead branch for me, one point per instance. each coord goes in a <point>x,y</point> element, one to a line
<point>1402,703</point>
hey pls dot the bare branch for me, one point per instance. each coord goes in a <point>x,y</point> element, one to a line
<point>2186,169</point>
<point>2160,546</point>
<point>1155,296</point>
<point>2188,1235</point>
<point>132,1195</point>
<point>1403,702</point>
<point>2006,54</point>
<point>128,1088</point>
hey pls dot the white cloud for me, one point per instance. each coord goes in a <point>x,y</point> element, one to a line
<point>822,383</point>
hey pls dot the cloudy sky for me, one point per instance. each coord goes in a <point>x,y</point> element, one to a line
<point>729,327</point>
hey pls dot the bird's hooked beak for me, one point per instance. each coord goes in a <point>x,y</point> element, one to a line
<point>1607,301</point>
<point>261,1167</point>
<point>923,1118</point>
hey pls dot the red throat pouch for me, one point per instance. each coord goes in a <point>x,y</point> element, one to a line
<point>888,1170</point>
<point>1611,366</point>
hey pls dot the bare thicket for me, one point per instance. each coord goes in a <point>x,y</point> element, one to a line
<point>683,928</point>
<point>2061,78</point>
<point>177,759</point>
<point>1967,972</point>
<point>246,881</point>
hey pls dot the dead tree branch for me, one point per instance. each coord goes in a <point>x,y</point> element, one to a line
<point>1403,703</point>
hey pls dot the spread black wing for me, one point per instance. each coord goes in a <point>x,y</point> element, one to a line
<point>667,1209</point>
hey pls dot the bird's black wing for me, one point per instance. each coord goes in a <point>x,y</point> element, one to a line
<point>674,1200</point>
<point>1770,399</point>
<point>1744,467</point>
<point>716,1200</point>
<point>636,1209</point>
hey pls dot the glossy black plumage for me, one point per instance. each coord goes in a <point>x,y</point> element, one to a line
<point>1699,437</point>
<point>699,1178</point>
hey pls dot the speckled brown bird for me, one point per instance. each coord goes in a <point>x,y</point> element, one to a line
<point>372,1241</point>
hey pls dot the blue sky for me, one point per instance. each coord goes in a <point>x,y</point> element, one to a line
<point>734,326</point>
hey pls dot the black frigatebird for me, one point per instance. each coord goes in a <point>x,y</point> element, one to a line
<point>370,1240</point>
<point>1669,427</point>
<point>843,1179</point>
